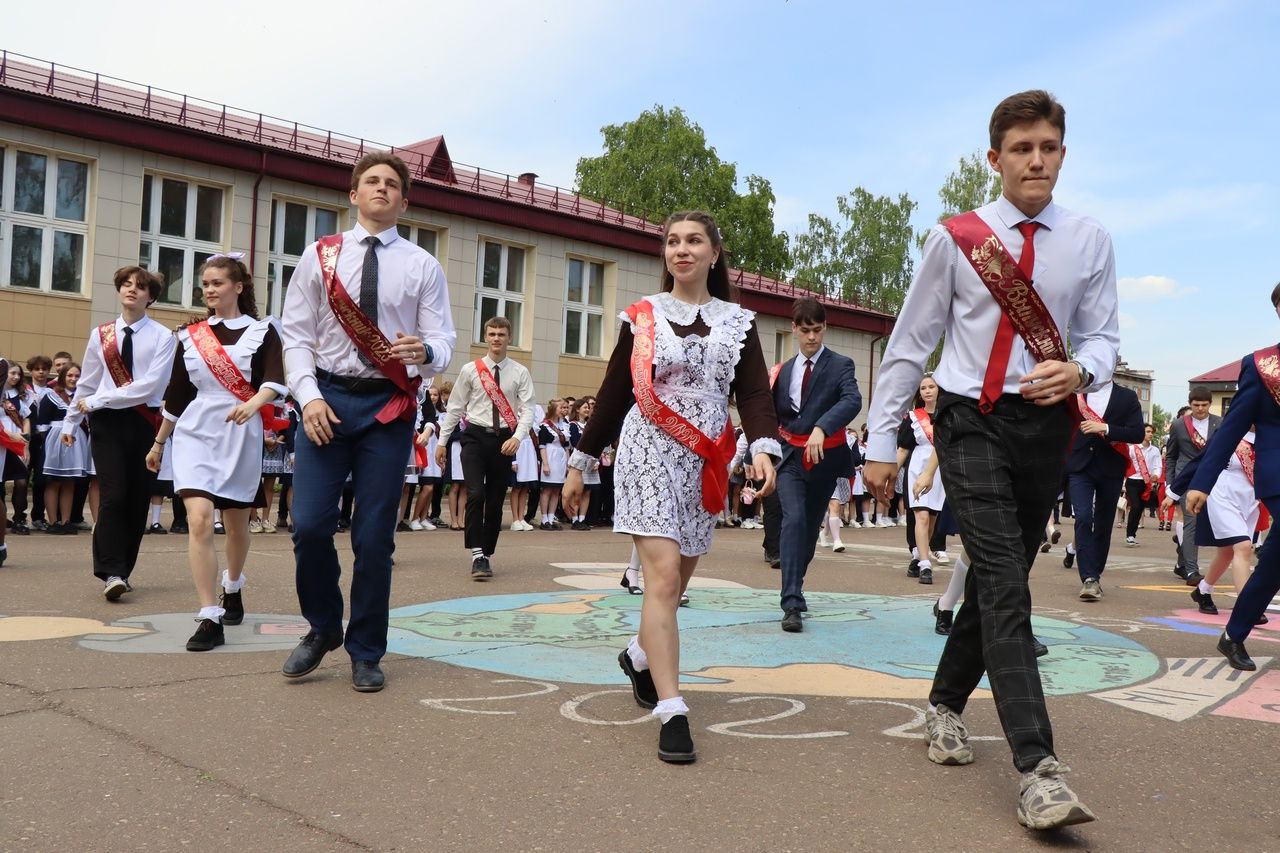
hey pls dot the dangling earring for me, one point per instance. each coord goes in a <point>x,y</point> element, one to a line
<point>713,264</point>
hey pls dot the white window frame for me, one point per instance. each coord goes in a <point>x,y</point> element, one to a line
<point>194,251</point>
<point>583,306</point>
<point>48,222</point>
<point>278,260</point>
<point>504,296</point>
<point>416,230</point>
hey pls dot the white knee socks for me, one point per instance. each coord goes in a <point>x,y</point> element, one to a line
<point>955,587</point>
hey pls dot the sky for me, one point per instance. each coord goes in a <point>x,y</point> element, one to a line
<point>1173,109</point>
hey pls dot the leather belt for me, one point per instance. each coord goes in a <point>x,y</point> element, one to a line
<point>355,384</point>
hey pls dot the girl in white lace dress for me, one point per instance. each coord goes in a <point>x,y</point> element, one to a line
<point>704,348</point>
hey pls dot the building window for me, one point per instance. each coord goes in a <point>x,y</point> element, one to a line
<point>44,212</point>
<point>583,307</point>
<point>181,227</point>
<point>420,235</point>
<point>294,226</point>
<point>780,340</point>
<point>500,287</point>
<point>1226,404</point>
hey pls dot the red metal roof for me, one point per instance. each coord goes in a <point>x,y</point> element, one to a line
<point>242,139</point>
<point>1229,372</point>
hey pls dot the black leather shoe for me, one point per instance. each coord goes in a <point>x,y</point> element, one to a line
<point>1192,578</point>
<point>775,562</point>
<point>942,620</point>
<point>792,621</point>
<point>207,637</point>
<point>307,656</point>
<point>926,575</point>
<point>1040,648</point>
<point>1205,602</point>
<point>913,569</point>
<point>628,586</point>
<point>233,604</point>
<point>366,676</point>
<point>675,744</point>
<point>1044,547</point>
<point>1057,534</point>
<point>1069,560</point>
<point>178,527</point>
<point>480,570</point>
<point>1261,620</point>
<point>1235,654</point>
<point>642,688</point>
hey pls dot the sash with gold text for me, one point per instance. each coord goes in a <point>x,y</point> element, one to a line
<point>215,357</point>
<point>367,337</point>
<point>1139,459</point>
<point>496,396</point>
<point>1197,440</point>
<point>7,442</point>
<point>1246,456</point>
<point>717,454</point>
<point>1267,361</point>
<point>119,373</point>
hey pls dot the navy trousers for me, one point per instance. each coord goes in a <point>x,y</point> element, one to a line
<point>1094,500</point>
<point>1262,585</point>
<point>374,455</point>
<point>803,496</point>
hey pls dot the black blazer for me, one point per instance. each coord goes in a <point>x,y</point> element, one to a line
<point>831,403</point>
<point>1093,453</point>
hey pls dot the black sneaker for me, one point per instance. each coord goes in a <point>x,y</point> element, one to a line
<point>913,569</point>
<point>1039,648</point>
<point>646,695</point>
<point>234,605</point>
<point>1069,560</point>
<point>4,553</point>
<point>480,570</point>
<point>1205,601</point>
<point>403,527</point>
<point>158,529</point>
<point>20,529</point>
<point>207,637</point>
<point>675,744</point>
<point>942,620</point>
<point>926,574</point>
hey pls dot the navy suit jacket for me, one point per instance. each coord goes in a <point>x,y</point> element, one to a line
<point>831,403</point>
<point>1252,406</point>
<point>1093,453</point>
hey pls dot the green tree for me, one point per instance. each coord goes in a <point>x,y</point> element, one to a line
<point>661,162</point>
<point>970,186</point>
<point>865,257</point>
<point>1160,420</point>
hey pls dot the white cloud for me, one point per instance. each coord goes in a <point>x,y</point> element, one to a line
<point>1150,288</point>
<point>1127,321</point>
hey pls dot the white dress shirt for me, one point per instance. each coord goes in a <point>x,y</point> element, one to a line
<point>153,347</point>
<point>797,375</point>
<point>470,399</point>
<point>1074,275</point>
<point>1098,401</point>
<point>413,299</point>
<point>1154,463</point>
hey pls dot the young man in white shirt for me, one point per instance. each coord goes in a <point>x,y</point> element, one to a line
<point>124,374</point>
<point>354,369</point>
<point>489,391</point>
<point>1002,422</point>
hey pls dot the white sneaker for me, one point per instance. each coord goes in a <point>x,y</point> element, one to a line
<point>1131,541</point>
<point>268,526</point>
<point>414,524</point>
<point>837,546</point>
<point>902,522</point>
<point>884,522</point>
<point>941,557</point>
<point>855,525</point>
<point>823,540</point>
<point>114,588</point>
<point>255,526</point>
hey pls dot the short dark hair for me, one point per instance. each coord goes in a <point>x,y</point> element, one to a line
<point>1182,411</point>
<point>1275,296</point>
<point>60,354</point>
<point>381,158</point>
<point>1199,393</point>
<point>36,362</point>
<point>808,311</point>
<point>1026,108</point>
<point>497,322</point>
<point>154,282</point>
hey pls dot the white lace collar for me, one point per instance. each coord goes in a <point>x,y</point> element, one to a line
<point>241,322</point>
<point>684,313</point>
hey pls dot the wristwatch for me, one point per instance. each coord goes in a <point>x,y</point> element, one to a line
<point>1086,378</point>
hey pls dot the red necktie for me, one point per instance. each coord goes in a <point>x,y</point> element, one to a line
<point>998,364</point>
<point>804,380</point>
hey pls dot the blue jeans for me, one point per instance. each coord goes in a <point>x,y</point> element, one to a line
<point>1093,500</point>
<point>374,454</point>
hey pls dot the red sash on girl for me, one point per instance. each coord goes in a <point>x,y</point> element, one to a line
<point>1197,440</point>
<point>1245,453</point>
<point>926,423</point>
<point>419,455</point>
<point>496,396</point>
<point>1009,287</point>
<point>215,357</point>
<point>1267,361</point>
<point>14,445</point>
<point>1139,460</point>
<point>119,373</point>
<point>717,454</point>
<point>1088,414</point>
<point>367,337</point>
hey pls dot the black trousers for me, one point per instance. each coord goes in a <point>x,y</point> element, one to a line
<point>1133,490</point>
<point>37,475</point>
<point>1002,472</point>
<point>487,473</point>
<point>772,526</point>
<point>121,439</point>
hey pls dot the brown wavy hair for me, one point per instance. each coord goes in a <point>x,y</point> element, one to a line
<point>239,273</point>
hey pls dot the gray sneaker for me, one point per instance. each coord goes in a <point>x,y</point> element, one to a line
<point>948,738</point>
<point>1091,591</point>
<point>1046,802</point>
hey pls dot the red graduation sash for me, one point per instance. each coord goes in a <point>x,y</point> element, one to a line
<point>496,396</point>
<point>119,373</point>
<point>1140,463</point>
<point>1197,440</point>
<point>802,440</point>
<point>717,454</point>
<point>773,373</point>
<point>1245,453</point>
<point>367,337</point>
<point>15,445</point>
<point>215,357</point>
<point>1088,414</point>
<point>926,423</point>
<point>1267,361</point>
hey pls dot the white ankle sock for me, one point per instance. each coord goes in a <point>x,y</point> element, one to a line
<point>1177,531</point>
<point>1071,548</point>
<point>229,585</point>
<point>215,613</point>
<point>925,564</point>
<point>955,587</point>
<point>915,553</point>
<point>668,708</point>
<point>155,513</point>
<point>477,552</point>
<point>638,658</point>
<point>1206,588</point>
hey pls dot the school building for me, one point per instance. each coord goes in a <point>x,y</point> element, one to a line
<point>98,173</point>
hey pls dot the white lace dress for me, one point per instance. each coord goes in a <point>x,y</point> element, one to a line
<point>658,481</point>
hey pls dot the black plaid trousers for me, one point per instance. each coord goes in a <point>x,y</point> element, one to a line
<point>1002,473</point>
